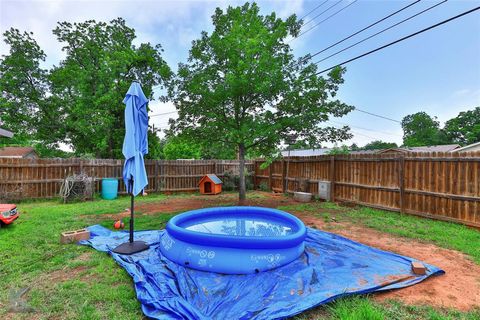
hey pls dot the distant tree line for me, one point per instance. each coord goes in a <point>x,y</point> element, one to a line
<point>421,129</point>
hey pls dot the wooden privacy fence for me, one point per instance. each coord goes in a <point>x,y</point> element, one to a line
<point>444,186</point>
<point>42,178</point>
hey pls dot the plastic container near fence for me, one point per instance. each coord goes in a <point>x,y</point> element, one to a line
<point>109,188</point>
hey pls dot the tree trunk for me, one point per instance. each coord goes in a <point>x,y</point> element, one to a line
<point>242,189</point>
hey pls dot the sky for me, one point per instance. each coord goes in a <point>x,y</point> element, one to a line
<point>437,72</point>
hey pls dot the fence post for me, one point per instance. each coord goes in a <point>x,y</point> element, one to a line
<point>284,177</point>
<point>332,178</point>
<point>254,175</point>
<point>401,181</point>
<point>270,181</point>
<point>156,176</point>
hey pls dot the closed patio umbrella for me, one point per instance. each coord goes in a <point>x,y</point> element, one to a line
<point>135,146</point>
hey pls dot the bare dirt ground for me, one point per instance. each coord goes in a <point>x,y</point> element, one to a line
<point>459,288</point>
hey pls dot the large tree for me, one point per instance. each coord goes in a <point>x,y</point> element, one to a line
<point>24,84</point>
<point>243,88</point>
<point>79,101</point>
<point>90,83</point>
<point>465,128</point>
<point>420,129</point>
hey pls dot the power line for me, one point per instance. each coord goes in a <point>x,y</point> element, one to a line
<point>314,9</point>
<point>162,114</point>
<point>372,130</point>
<point>367,27</point>
<point>401,39</point>
<point>376,115</point>
<point>330,16</point>
<point>356,109</point>
<point>354,131</point>
<point>318,15</point>
<point>382,31</point>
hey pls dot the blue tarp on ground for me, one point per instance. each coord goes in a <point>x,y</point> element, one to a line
<point>331,266</point>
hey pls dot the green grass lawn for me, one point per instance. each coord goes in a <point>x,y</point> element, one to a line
<point>76,282</point>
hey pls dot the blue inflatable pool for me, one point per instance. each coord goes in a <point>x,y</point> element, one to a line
<point>233,240</point>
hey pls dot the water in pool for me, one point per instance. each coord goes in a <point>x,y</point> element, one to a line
<point>243,227</point>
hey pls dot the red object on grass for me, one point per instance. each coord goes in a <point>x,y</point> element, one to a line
<point>8,213</point>
<point>119,224</point>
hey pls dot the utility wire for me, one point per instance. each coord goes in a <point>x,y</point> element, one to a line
<point>376,115</point>
<point>162,114</point>
<point>314,9</point>
<point>354,131</point>
<point>362,128</point>
<point>330,16</point>
<point>318,15</point>
<point>367,27</point>
<point>381,31</point>
<point>401,39</point>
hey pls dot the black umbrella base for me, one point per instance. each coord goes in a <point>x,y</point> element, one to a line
<point>131,247</point>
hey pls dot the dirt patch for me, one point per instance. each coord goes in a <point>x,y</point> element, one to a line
<point>176,204</point>
<point>66,274</point>
<point>458,288</point>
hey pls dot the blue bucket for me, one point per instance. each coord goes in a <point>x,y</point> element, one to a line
<point>109,188</point>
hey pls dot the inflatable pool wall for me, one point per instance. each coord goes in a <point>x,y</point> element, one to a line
<point>233,240</point>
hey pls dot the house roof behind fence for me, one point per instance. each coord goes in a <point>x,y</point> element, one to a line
<point>15,152</point>
<point>306,152</point>
<point>439,148</point>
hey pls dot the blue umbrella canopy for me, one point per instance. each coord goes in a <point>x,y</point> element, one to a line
<point>135,144</point>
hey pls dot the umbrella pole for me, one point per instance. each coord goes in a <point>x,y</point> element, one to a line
<point>132,204</point>
<point>131,246</point>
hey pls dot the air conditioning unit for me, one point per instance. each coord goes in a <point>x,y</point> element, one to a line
<point>324,188</point>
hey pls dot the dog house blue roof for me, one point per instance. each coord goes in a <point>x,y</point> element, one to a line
<point>213,178</point>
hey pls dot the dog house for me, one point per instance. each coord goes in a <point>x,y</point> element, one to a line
<point>210,184</point>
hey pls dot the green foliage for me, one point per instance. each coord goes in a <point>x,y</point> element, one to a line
<point>243,89</point>
<point>339,150</point>
<point>83,106</point>
<point>354,147</point>
<point>420,129</point>
<point>465,128</point>
<point>179,147</point>
<point>218,151</point>
<point>231,181</point>
<point>263,186</point>
<point>100,64</point>
<point>378,144</point>
<point>24,106</point>
<point>155,146</point>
